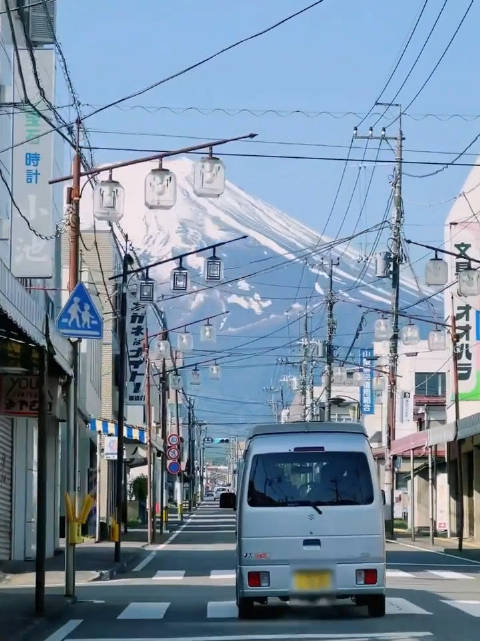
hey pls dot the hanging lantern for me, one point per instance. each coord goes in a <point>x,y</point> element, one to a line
<point>410,334</point>
<point>339,375</point>
<point>213,268</point>
<point>161,350</point>
<point>469,282</point>
<point>378,383</point>
<point>160,188</point>
<point>185,342</point>
<point>437,340</point>
<point>209,177</point>
<point>146,290</point>
<point>179,278</point>
<point>174,381</point>
<point>215,371</point>
<point>208,333</point>
<point>383,329</point>
<point>108,200</point>
<point>357,378</point>
<point>195,378</point>
<point>318,349</point>
<point>436,272</point>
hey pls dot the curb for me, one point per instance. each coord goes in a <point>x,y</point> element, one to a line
<point>119,568</point>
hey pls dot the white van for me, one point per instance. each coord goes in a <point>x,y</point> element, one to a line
<point>310,519</point>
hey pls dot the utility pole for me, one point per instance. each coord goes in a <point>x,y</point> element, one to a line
<point>458,442</point>
<point>191,450</point>
<point>73,200</point>
<point>304,365</point>
<point>122,337</point>
<point>396,261</point>
<point>148,413</point>
<point>331,326</point>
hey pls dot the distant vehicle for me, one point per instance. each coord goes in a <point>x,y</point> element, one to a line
<point>218,491</point>
<point>209,494</point>
<point>310,517</point>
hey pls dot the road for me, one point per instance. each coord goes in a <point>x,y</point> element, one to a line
<point>186,590</point>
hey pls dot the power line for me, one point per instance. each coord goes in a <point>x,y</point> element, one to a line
<point>400,58</point>
<point>205,60</point>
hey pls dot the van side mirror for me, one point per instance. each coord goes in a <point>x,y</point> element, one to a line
<point>383,497</point>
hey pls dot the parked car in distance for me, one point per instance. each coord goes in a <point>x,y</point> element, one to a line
<point>219,490</point>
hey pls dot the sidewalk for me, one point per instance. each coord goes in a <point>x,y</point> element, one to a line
<point>446,545</point>
<point>93,562</point>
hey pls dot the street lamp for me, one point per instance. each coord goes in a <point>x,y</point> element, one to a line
<point>108,200</point>
<point>179,278</point>
<point>213,267</point>
<point>195,378</point>
<point>160,188</point>
<point>207,332</point>
<point>410,334</point>
<point>215,371</point>
<point>185,342</point>
<point>437,340</point>
<point>209,177</point>
<point>383,329</point>
<point>469,282</point>
<point>436,272</point>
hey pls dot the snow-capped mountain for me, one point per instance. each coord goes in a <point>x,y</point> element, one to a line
<point>273,273</point>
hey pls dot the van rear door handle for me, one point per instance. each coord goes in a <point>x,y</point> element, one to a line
<point>311,543</point>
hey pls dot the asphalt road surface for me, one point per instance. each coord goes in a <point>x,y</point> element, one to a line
<point>186,590</point>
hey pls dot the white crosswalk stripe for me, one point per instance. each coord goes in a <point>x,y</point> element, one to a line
<point>469,607</point>
<point>448,574</point>
<point>395,605</point>
<point>399,574</point>
<point>144,610</point>
<point>169,574</point>
<point>222,574</point>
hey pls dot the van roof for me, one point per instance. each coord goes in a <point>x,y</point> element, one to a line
<point>296,428</point>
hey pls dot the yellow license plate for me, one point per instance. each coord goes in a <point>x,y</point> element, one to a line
<point>312,581</point>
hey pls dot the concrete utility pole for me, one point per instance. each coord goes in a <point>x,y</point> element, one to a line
<point>458,442</point>
<point>304,365</point>
<point>395,262</point>
<point>331,326</point>
<point>148,413</point>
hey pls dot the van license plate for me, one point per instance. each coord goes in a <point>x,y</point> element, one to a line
<point>312,581</point>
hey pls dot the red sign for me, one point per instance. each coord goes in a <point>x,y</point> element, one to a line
<point>173,467</point>
<point>173,439</point>
<point>173,453</point>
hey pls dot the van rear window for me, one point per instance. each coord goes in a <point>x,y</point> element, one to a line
<point>282,479</point>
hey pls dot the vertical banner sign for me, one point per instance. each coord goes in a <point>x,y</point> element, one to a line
<point>465,241</point>
<point>367,405</point>
<point>32,257</point>
<point>136,315</point>
<point>406,414</point>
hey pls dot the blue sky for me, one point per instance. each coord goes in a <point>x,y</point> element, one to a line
<point>334,58</point>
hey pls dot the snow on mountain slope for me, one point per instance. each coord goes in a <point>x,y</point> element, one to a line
<point>259,303</point>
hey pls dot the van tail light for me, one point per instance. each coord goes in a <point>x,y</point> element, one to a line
<point>258,579</point>
<point>366,577</point>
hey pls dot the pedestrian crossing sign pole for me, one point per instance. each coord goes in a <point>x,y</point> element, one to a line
<point>79,317</point>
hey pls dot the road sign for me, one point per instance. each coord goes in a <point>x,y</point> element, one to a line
<point>173,453</point>
<point>80,318</point>
<point>173,467</point>
<point>173,439</point>
<point>110,448</point>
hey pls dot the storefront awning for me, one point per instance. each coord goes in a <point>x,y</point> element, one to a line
<point>110,428</point>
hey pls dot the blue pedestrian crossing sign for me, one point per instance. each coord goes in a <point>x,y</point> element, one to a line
<point>79,317</point>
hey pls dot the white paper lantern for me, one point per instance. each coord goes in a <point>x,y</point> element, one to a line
<point>215,371</point>
<point>437,340</point>
<point>383,329</point>
<point>208,333</point>
<point>160,189</point>
<point>469,282</point>
<point>436,272</point>
<point>209,177</point>
<point>195,377</point>
<point>379,383</point>
<point>339,375</point>
<point>174,381</point>
<point>108,200</point>
<point>357,378</point>
<point>185,342</point>
<point>410,334</point>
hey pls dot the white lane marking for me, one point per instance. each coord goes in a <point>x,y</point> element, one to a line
<point>152,555</point>
<point>169,574</point>
<point>397,605</point>
<point>222,574</point>
<point>445,574</point>
<point>222,610</point>
<point>62,632</point>
<point>144,610</point>
<point>383,636</point>
<point>469,607</point>
<point>433,565</point>
<point>449,556</point>
<point>399,574</point>
<point>145,562</point>
<point>204,531</point>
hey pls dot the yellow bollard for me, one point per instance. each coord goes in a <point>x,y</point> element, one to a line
<point>74,522</point>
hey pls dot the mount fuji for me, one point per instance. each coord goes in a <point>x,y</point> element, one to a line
<point>269,277</point>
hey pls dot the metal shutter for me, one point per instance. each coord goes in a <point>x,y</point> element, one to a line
<point>5,487</point>
<point>41,21</point>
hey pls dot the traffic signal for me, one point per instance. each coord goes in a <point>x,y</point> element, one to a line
<point>222,440</point>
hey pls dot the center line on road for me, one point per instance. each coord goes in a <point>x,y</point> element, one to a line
<point>382,636</point>
<point>151,556</point>
<point>170,574</point>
